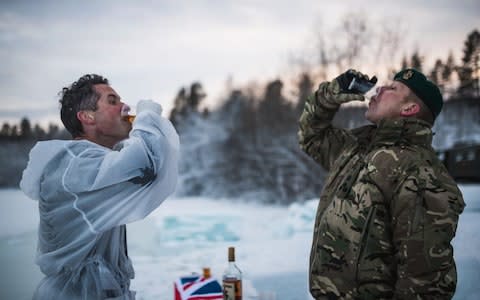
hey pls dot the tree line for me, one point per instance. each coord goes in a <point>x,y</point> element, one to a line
<point>443,72</point>
<point>24,131</point>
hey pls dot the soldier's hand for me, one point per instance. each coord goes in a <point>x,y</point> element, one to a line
<point>341,86</point>
<point>345,79</point>
<point>333,93</point>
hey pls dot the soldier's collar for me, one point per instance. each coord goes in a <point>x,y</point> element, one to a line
<point>403,130</point>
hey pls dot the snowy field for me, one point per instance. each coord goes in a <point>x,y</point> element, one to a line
<point>184,235</point>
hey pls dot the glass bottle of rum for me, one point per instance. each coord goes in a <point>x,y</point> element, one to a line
<point>232,278</point>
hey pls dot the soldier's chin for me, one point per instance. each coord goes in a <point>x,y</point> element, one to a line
<point>369,116</point>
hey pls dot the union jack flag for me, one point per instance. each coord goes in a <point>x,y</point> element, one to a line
<point>196,287</point>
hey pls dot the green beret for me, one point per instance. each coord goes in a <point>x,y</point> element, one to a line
<point>426,90</point>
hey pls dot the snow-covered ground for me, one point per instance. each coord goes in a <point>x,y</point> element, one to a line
<point>184,235</point>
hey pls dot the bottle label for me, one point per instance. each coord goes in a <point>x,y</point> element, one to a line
<point>232,289</point>
<point>228,290</point>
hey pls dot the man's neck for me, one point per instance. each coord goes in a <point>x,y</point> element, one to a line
<point>102,142</point>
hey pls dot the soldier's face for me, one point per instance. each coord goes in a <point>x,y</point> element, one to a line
<point>388,102</point>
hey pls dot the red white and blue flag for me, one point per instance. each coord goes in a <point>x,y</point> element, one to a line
<point>196,287</point>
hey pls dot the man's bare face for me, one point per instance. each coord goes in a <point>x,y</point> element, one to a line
<point>108,120</point>
<point>388,102</point>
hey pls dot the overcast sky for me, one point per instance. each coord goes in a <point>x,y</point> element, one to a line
<point>150,49</point>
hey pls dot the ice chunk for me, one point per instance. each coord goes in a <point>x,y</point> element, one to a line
<point>196,229</point>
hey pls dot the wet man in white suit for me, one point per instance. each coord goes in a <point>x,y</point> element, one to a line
<point>111,173</point>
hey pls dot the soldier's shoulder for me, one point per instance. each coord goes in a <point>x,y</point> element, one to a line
<point>394,162</point>
<point>423,164</point>
<point>396,155</point>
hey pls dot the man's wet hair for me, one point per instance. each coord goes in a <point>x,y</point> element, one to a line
<point>77,97</point>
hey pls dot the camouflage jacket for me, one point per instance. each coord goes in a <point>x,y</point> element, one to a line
<point>387,213</point>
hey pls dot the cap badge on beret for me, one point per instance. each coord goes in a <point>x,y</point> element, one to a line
<point>408,74</point>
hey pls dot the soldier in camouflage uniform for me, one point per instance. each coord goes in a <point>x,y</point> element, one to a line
<point>389,209</point>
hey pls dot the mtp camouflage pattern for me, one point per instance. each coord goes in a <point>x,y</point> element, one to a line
<point>388,210</point>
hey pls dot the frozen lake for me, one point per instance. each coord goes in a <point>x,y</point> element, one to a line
<point>184,235</point>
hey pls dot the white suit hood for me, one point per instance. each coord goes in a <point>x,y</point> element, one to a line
<point>40,155</point>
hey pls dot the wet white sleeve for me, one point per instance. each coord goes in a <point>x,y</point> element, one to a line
<point>111,188</point>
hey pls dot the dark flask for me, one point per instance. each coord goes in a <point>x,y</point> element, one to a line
<point>350,82</point>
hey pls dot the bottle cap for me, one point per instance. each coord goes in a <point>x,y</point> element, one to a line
<point>231,253</point>
<point>206,273</point>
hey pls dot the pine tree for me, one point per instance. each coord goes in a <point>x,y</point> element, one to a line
<point>468,73</point>
<point>404,63</point>
<point>447,71</point>
<point>25,128</point>
<point>436,73</point>
<point>5,131</point>
<point>416,61</point>
<point>448,68</point>
<point>38,132</point>
<point>305,89</point>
